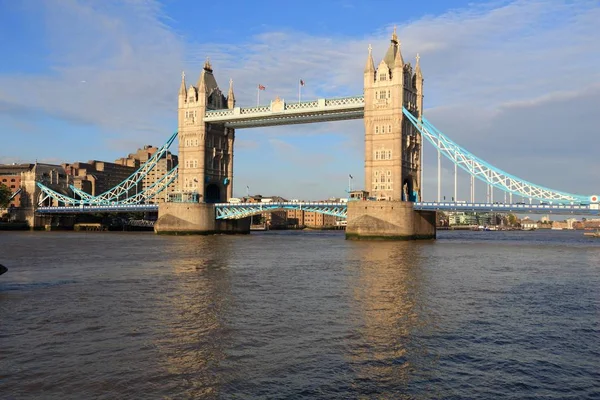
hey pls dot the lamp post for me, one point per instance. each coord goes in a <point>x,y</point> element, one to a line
<point>248,200</point>
<point>350,177</point>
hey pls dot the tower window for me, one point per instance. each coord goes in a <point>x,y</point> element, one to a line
<point>383,77</point>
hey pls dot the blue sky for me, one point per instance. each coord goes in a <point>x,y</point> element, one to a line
<point>515,82</point>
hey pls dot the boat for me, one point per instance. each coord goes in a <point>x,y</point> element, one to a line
<point>592,234</point>
<point>259,227</point>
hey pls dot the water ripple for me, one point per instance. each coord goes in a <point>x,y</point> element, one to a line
<point>299,315</point>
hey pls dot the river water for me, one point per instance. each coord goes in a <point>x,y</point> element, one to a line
<point>294,315</point>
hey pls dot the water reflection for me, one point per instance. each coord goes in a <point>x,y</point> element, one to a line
<point>388,300</point>
<point>192,334</point>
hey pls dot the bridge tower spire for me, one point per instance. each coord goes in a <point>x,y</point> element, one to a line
<point>230,95</point>
<point>182,90</point>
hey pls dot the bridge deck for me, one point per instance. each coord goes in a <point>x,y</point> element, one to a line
<point>242,210</point>
<point>281,113</point>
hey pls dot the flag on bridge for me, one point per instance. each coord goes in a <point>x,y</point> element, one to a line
<point>260,87</point>
<point>300,84</point>
<point>351,177</point>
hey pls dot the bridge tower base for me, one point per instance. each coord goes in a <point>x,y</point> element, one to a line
<point>389,220</point>
<point>195,219</point>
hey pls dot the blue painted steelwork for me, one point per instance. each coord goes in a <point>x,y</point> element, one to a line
<point>151,192</point>
<point>184,197</point>
<point>242,210</point>
<point>487,172</point>
<point>48,193</point>
<point>123,193</point>
<point>82,195</point>
<point>118,208</point>
<point>575,209</point>
<point>15,194</point>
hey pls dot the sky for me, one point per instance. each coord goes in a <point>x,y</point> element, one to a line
<point>517,83</point>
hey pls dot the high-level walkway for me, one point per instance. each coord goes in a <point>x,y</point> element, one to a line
<point>280,112</point>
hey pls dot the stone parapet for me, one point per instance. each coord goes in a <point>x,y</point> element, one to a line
<point>195,219</point>
<point>389,220</point>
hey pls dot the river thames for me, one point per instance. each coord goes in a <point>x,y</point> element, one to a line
<point>299,315</point>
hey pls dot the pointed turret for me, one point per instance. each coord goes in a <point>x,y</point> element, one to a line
<point>206,81</point>
<point>230,96</point>
<point>390,55</point>
<point>207,65</point>
<point>370,66</point>
<point>182,90</point>
<point>200,84</point>
<point>201,79</point>
<point>398,60</point>
<point>419,85</point>
<point>418,67</point>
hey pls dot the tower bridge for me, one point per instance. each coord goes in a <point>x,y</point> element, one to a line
<point>395,130</point>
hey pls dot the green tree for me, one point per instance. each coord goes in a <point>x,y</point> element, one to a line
<point>5,194</point>
<point>512,219</point>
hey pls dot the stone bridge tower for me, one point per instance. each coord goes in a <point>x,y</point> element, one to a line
<point>205,150</point>
<point>392,153</point>
<point>392,143</point>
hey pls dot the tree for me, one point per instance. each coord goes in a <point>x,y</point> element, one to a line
<point>5,194</point>
<point>512,219</point>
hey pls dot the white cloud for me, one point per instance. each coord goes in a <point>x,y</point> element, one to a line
<point>121,51</point>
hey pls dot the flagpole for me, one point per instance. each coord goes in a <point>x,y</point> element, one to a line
<point>258,96</point>
<point>299,92</point>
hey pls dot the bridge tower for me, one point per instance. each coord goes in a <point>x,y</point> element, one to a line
<point>392,143</point>
<point>392,153</point>
<point>205,171</point>
<point>205,150</point>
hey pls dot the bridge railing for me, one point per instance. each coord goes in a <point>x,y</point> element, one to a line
<point>243,210</point>
<point>312,105</point>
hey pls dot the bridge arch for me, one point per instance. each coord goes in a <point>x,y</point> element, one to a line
<point>409,189</point>
<point>213,194</point>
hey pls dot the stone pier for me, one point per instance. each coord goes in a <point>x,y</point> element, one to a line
<point>195,219</point>
<point>389,220</point>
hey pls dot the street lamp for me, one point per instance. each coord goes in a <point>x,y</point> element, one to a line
<point>248,199</point>
<point>350,177</point>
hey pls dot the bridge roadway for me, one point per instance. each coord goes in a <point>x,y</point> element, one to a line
<point>242,210</point>
<point>281,113</point>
